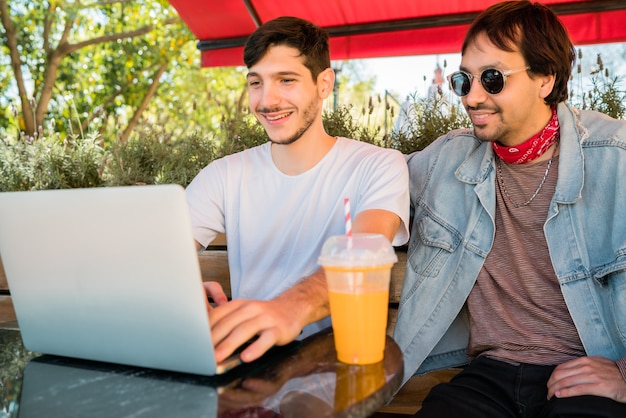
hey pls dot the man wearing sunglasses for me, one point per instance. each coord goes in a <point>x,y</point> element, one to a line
<point>517,255</point>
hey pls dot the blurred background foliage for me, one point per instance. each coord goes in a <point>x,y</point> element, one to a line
<point>111,93</point>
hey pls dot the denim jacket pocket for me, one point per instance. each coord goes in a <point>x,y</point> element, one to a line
<point>432,243</point>
<point>612,278</point>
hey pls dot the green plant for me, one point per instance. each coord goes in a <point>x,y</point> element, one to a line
<point>138,160</point>
<point>342,122</point>
<point>187,158</point>
<point>47,162</point>
<point>238,131</point>
<point>154,155</point>
<point>427,120</point>
<point>603,95</point>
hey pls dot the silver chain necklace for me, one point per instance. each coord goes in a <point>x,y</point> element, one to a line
<point>503,187</point>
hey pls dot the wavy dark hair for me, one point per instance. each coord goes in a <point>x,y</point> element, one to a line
<point>537,33</point>
<point>306,37</point>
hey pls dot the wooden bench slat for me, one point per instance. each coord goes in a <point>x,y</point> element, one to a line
<point>214,267</point>
<point>397,277</point>
<point>409,398</point>
<point>7,313</point>
<point>4,285</point>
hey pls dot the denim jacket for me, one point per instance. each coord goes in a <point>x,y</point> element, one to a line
<point>454,202</point>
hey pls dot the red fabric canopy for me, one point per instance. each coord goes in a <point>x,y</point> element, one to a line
<point>378,28</point>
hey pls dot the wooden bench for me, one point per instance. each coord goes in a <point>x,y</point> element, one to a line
<point>214,267</point>
<point>7,314</point>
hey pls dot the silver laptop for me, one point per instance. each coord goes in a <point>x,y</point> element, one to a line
<point>108,274</point>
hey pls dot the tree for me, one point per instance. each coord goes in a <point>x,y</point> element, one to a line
<point>198,99</point>
<point>112,54</point>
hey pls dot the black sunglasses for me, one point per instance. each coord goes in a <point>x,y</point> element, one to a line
<point>491,79</point>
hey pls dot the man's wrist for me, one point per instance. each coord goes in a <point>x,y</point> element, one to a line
<point>309,299</point>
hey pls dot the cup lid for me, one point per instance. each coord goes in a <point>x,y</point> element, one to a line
<point>358,250</point>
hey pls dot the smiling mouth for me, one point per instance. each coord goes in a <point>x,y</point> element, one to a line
<point>480,117</point>
<point>275,117</point>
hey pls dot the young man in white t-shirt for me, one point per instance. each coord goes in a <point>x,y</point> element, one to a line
<point>279,202</point>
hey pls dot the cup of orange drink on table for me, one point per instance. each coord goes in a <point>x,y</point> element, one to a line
<point>357,269</point>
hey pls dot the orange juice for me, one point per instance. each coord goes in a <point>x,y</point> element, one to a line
<point>358,305</point>
<point>358,268</point>
<point>355,383</point>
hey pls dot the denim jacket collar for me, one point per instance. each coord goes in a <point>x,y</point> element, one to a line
<point>476,168</point>
<point>572,166</point>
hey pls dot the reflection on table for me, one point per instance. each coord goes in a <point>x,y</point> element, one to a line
<point>302,379</point>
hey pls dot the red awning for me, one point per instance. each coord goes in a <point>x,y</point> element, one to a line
<point>378,28</point>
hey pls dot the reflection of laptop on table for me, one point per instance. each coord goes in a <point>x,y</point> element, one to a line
<point>107,274</point>
<point>56,387</point>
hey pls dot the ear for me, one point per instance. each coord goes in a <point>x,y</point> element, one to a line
<point>546,85</point>
<point>325,82</point>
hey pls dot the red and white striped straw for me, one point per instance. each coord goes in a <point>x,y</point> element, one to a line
<point>348,218</point>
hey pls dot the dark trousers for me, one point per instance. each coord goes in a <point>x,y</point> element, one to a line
<point>489,388</point>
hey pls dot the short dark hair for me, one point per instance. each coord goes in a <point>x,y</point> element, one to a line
<point>538,34</point>
<point>306,37</point>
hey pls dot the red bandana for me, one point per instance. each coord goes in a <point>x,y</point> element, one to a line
<point>532,148</point>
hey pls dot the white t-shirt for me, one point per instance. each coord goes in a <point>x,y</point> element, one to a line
<point>276,224</point>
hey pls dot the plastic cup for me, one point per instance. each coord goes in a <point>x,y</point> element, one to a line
<point>357,271</point>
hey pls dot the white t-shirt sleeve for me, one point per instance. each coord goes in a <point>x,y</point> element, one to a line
<point>384,185</point>
<point>206,197</point>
